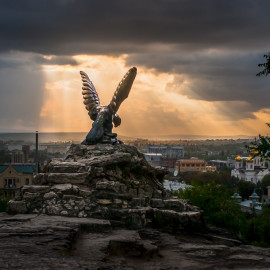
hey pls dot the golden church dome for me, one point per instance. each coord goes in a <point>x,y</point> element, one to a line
<point>250,159</point>
<point>238,158</point>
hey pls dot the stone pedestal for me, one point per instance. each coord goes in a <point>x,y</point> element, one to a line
<point>111,182</point>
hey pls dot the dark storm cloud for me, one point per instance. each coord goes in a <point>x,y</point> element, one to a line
<point>21,90</point>
<point>54,60</point>
<point>226,77</point>
<point>124,26</point>
<point>215,45</point>
<point>234,110</point>
<point>20,59</point>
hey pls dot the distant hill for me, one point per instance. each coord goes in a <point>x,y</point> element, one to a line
<point>196,137</point>
<point>78,137</point>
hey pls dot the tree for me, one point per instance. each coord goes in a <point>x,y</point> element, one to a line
<point>219,207</point>
<point>260,147</point>
<point>266,66</point>
<point>245,188</point>
<point>261,229</point>
<point>265,183</point>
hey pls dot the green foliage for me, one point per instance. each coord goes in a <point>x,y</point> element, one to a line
<point>3,205</point>
<point>259,229</point>
<point>264,183</point>
<point>3,201</point>
<point>265,66</point>
<point>201,178</point>
<point>222,211</point>
<point>219,208</point>
<point>214,149</point>
<point>245,189</point>
<point>261,147</point>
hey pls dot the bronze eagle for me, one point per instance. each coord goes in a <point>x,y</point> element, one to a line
<point>104,116</point>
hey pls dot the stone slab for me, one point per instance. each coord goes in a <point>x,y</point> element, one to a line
<point>50,243</point>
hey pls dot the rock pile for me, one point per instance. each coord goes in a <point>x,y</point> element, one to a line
<point>111,182</point>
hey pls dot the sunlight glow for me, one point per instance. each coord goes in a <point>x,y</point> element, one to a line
<point>151,108</point>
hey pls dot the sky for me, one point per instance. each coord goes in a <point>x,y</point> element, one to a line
<point>196,60</point>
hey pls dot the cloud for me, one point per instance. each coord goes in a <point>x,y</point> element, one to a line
<point>102,26</point>
<point>22,90</point>
<point>205,52</point>
<point>223,76</point>
<point>15,59</point>
<point>234,110</point>
<point>54,60</point>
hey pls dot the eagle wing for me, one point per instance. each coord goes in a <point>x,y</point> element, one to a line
<point>123,89</point>
<point>90,96</point>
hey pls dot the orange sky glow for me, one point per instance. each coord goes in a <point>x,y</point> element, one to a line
<point>150,109</point>
<point>196,64</point>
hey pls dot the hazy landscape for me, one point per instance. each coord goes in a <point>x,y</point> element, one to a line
<point>77,137</point>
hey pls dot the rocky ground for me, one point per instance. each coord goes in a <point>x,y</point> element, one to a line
<point>104,207</point>
<point>29,241</point>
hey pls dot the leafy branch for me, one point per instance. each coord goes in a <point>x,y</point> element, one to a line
<point>260,147</point>
<point>266,66</point>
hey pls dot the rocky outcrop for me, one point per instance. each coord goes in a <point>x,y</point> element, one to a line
<point>55,242</point>
<point>112,182</point>
<point>104,207</point>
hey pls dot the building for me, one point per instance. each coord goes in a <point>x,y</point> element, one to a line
<point>20,156</point>
<point>230,162</point>
<point>12,177</point>
<point>26,151</point>
<point>219,164</point>
<point>12,147</point>
<point>175,185</point>
<point>153,159</point>
<point>189,165</point>
<point>53,148</point>
<point>253,171</point>
<point>58,148</point>
<point>3,146</point>
<point>251,206</point>
<point>17,157</point>
<point>169,154</point>
<point>140,144</point>
<point>210,168</point>
<point>167,151</point>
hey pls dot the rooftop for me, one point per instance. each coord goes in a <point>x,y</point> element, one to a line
<point>27,169</point>
<point>194,161</point>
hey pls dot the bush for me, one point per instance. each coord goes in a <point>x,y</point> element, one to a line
<point>222,211</point>
<point>3,205</point>
<point>202,178</point>
<point>260,236</point>
<point>219,208</point>
<point>245,188</point>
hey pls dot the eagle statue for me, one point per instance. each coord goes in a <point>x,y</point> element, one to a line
<point>104,116</point>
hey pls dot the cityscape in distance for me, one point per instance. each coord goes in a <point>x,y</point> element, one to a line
<point>77,137</point>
